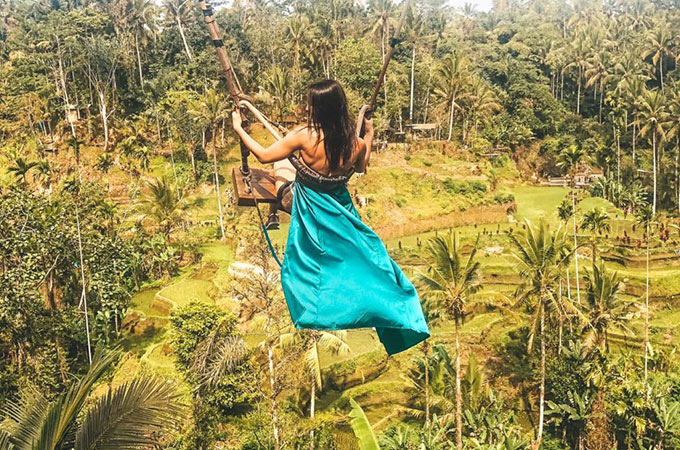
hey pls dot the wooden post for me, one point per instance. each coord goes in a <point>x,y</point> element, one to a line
<point>232,82</point>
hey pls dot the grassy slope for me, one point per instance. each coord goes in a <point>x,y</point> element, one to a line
<point>209,280</point>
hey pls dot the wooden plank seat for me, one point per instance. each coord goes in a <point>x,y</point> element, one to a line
<point>262,183</point>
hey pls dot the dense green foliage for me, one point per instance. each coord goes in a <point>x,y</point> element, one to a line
<point>114,153</point>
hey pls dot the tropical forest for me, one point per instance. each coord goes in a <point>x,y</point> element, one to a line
<point>524,175</point>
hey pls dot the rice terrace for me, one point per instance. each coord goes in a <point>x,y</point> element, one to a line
<point>339,224</point>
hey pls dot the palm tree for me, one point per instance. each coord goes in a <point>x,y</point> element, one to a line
<point>541,254</point>
<point>452,80</point>
<point>653,120</point>
<point>277,83</point>
<point>565,211</point>
<point>380,10</point>
<point>164,204</point>
<point>570,159</point>
<point>660,41</point>
<point>44,169</point>
<point>483,102</point>
<point>209,110</point>
<point>598,73</point>
<point>141,24</point>
<point>432,318</point>
<point>633,196</point>
<point>178,10</point>
<point>296,34</point>
<point>20,169</point>
<point>633,88</point>
<point>674,132</point>
<point>415,27</point>
<point>578,54</point>
<point>597,221</point>
<point>104,163</point>
<point>644,217</point>
<point>128,416</point>
<point>452,280</point>
<point>333,342</point>
<point>604,306</point>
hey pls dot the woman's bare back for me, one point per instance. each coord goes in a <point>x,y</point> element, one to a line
<point>314,154</point>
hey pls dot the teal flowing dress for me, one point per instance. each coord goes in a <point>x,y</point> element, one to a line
<point>337,274</point>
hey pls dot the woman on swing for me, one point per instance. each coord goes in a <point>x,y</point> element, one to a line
<point>336,272</point>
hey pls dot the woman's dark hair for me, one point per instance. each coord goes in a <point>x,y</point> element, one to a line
<point>328,113</point>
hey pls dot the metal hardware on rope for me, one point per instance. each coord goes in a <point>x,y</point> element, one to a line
<point>232,83</point>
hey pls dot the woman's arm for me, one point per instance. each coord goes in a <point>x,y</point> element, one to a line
<point>365,158</point>
<point>278,151</point>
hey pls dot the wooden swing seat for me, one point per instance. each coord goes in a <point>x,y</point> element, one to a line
<point>262,183</point>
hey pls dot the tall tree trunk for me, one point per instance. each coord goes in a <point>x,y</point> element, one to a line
<point>83,295</point>
<point>578,287</point>
<point>427,96</point>
<point>646,340</point>
<point>272,395</point>
<point>617,133</point>
<point>453,107</point>
<point>634,138</point>
<point>105,118</point>
<point>677,180</point>
<point>541,404</point>
<point>413,63</point>
<point>578,93</point>
<point>459,393</point>
<point>654,167</point>
<point>568,285</point>
<point>217,182</point>
<point>184,39</point>
<point>139,61</point>
<point>426,350</point>
<point>312,408</point>
<point>193,161</point>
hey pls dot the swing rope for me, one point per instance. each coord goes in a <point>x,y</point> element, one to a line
<point>265,232</point>
<point>242,102</point>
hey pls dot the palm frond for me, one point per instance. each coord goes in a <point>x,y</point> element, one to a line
<point>362,428</point>
<point>58,422</point>
<point>25,418</point>
<point>228,355</point>
<point>127,416</point>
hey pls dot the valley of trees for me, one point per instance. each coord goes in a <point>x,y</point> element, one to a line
<point>139,308</point>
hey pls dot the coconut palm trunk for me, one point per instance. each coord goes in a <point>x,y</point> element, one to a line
<point>184,39</point>
<point>578,92</point>
<point>578,287</point>
<point>459,392</point>
<point>426,351</point>
<point>83,295</point>
<point>139,61</point>
<point>413,64</point>
<point>654,168</point>
<point>646,340</point>
<point>453,107</point>
<point>272,396</point>
<point>312,408</point>
<point>217,180</point>
<point>541,404</point>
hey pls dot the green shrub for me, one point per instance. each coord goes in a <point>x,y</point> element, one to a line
<point>191,324</point>
<point>467,188</point>
<point>500,162</point>
<point>504,197</point>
